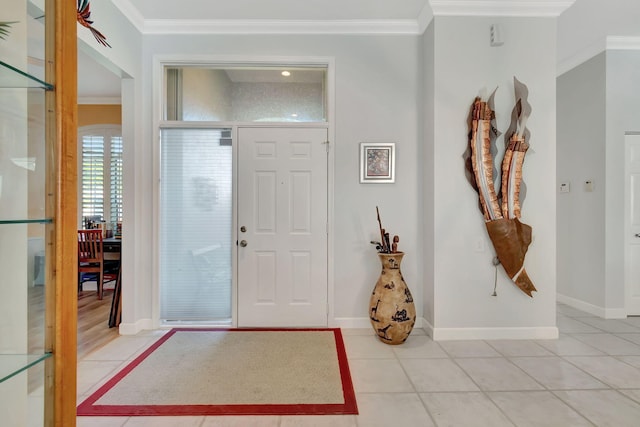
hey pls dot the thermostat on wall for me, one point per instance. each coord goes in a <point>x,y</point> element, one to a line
<point>565,187</point>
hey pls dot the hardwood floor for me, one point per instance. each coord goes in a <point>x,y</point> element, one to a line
<point>93,327</point>
<point>93,321</point>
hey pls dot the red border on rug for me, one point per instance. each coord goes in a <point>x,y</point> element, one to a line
<point>89,408</point>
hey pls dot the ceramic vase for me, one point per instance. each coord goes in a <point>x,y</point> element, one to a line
<point>391,309</point>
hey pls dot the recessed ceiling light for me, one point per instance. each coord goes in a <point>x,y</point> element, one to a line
<point>286,73</point>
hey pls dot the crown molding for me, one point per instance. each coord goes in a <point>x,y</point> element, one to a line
<point>607,43</point>
<point>524,8</point>
<point>623,43</point>
<point>530,8</point>
<point>267,26</point>
<point>425,17</point>
<point>580,57</point>
<point>264,26</point>
<point>130,12</point>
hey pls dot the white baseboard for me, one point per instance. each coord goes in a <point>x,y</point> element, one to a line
<point>529,333</point>
<point>445,334</point>
<point>428,327</point>
<point>134,328</point>
<point>361,322</point>
<point>605,313</point>
<point>448,334</point>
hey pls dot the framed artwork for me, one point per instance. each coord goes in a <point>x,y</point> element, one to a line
<point>377,162</point>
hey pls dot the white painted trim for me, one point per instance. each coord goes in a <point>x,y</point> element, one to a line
<point>533,333</point>
<point>134,328</point>
<point>528,8</point>
<point>267,26</point>
<point>159,61</point>
<point>331,161</point>
<point>264,26</point>
<point>428,327</point>
<point>361,322</point>
<point>615,313</point>
<point>158,95</point>
<point>608,43</point>
<point>132,240</point>
<point>580,57</point>
<point>425,18</point>
<point>605,313</point>
<point>631,138</point>
<point>581,305</point>
<point>446,334</point>
<point>130,12</point>
<point>350,322</point>
<point>100,100</point>
<point>623,43</point>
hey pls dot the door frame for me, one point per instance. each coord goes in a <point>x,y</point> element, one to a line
<point>161,61</point>
<point>627,223</point>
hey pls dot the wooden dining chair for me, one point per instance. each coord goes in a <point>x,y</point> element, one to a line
<point>90,257</point>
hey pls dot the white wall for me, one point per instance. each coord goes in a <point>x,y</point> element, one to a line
<point>463,277</point>
<point>581,156</point>
<point>124,59</point>
<point>376,79</point>
<point>379,81</point>
<point>598,102</point>
<point>427,146</point>
<point>622,114</point>
<point>580,30</point>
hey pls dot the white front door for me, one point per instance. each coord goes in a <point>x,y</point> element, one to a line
<point>632,224</point>
<point>282,227</point>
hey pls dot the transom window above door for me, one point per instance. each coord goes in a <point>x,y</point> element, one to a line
<point>245,93</point>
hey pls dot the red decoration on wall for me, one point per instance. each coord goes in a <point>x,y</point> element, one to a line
<point>84,15</point>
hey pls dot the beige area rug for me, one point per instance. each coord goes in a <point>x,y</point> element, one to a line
<point>232,372</point>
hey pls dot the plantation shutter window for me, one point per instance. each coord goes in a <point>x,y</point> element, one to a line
<point>101,181</point>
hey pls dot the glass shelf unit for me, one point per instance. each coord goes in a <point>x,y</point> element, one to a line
<point>22,143</point>
<point>13,364</point>
<point>12,77</point>
<point>26,221</point>
<point>24,160</point>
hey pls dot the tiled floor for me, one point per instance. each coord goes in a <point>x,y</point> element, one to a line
<point>588,377</point>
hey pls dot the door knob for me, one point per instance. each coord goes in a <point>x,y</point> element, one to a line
<point>243,243</point>
<point>637,234</point>
<point>243,229</point>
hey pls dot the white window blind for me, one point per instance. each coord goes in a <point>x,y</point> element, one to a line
<point>101,183</point>
<point>195,225</point>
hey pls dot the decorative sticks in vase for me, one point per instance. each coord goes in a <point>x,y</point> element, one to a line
<point>385,245</point>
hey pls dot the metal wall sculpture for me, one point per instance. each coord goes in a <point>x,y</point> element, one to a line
<point>501,209</point>
<point>84,19</point>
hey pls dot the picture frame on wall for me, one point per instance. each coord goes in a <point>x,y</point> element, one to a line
<point>377,162</point>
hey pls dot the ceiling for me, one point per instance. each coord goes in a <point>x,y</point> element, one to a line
<point>96,84</point>
<point>583,28</point>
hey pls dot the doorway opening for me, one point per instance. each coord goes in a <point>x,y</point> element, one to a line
<point>205,105</point>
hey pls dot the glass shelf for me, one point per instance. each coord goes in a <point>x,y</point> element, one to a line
<point>27,221</point>
<point>11,77</point>
<point>12,364</point>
